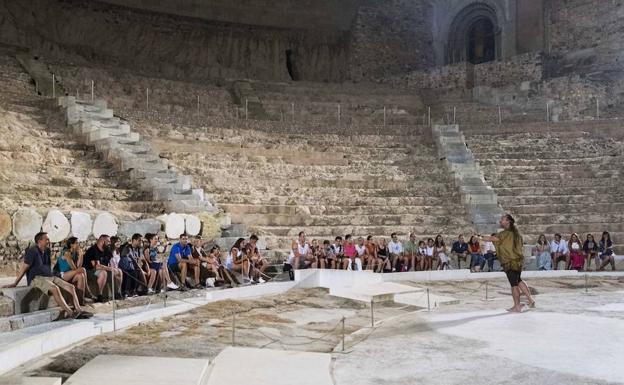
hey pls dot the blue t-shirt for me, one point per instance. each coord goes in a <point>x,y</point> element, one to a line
<point>185,253</point>
<point>459,247</point>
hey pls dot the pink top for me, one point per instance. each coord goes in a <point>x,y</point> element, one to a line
<point>349,250</point>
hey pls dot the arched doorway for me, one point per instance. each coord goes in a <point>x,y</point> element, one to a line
<point>481,42</point>
<point>474,35</point>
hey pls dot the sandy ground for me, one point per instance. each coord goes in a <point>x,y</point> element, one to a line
<point>573,337</point>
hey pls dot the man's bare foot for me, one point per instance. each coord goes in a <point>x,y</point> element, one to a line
<point>531,305</point>
<point>515,310</point>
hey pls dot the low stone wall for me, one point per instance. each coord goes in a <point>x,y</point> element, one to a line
<point>447,77</point>
<point>522,68</point>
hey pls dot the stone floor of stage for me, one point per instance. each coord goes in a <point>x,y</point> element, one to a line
<point>574,336</point>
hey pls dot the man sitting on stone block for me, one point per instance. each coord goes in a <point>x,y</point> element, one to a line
<point>395,248</point>
<point>37,266</point>
<point>97,271</point>
<point>460,250</point>
<point>559,251</point>
<point>181,261</point>
<point>129,263</point>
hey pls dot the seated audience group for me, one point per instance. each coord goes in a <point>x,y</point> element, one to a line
<point>142,265</point>
<point>394,256</point>
<point>576,253</point>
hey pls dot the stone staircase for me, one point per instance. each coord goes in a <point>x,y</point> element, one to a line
<point>478,197</point>
<point>128,152</point>
<point>556,180</point>
<point>43,167</point>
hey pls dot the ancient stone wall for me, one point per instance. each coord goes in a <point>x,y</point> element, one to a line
<point>518,69</point>
<point>586,35</point>
<point>390,37</point>
<point>292,14</point>
<point>171,46</point>
<point>448,77</point>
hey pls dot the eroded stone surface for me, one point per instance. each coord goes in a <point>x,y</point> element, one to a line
<point>105,223</point>
<point>5,225</point>
<point>56,225</point>
<point>192,224</point>
<point>26,223</point>
<point>174,226</point>
<point>81,225</point>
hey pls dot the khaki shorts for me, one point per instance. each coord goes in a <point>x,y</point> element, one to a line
<point>46,283</point>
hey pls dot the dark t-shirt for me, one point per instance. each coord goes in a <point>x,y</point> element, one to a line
<point>40,263</point>
<point>459,247</point>
<point>94,254</point>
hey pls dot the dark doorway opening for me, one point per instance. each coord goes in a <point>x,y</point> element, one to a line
<point>481,42</point>
<point>291,65</point>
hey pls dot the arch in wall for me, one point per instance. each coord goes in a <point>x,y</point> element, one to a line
<point>474,35</point>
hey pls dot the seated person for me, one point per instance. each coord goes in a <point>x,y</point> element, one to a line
<point>422,254</point>
<point>94,260</point>
<point>349,252</point>
<point>129,263</point>
<point>157,270</point>
<point>591,249</point>
<point>181,261</point>
<point>69,266</point>
<point>37,266</point>
<point>338,252</point>
<point>371,253</point>
<point>429,254</point>
<point>559,252</point>
<point>577,258</point>
<point>459,249</point>
<point>259,261</point>
<point>361,257</point>
<point>410,254</point>
<point>439,250</point>
<point>476,257</point>
<point>383,257</point>
<point>541,251</point>
<point>236,261</point>
<point>327,259</point>
<point>112,261</point>
<point>395,248</point>
<point>606,252</point>
<point>489,255</point>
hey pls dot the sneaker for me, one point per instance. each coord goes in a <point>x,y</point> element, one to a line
<point>150,291</point>
<point>163,290</point>
<point>261,280</point>
<point>172,286</point>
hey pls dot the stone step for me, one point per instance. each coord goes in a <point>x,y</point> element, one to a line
<point>332,231</point>
<point>566,182</point>
<point>329,192</point>
<point>244,209</point>
<point>556,191</point>
<point>557,209</point>
<point>529,200</point>
<point>344,220</point>
<point>397,200</point>
<point>571,218</point>
<point>74,192</point>
<point>516,175</point>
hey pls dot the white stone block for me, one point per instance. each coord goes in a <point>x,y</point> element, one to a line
<point>26,224</point>
<point>174,226</point>
<point>81,225</point>
<point>105,223</point>
<point>192,224</point>
<point>56,225</point>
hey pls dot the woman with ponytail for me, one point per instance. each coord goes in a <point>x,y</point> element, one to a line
<point>509,250</point>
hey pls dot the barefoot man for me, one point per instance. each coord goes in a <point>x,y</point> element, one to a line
<point>509,247</point>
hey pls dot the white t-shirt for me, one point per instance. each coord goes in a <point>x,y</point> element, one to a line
<point>489,247</point>
<point>429,251</point>
<point>303,250</point>
<point>560,247</point>
<point>395,247</point>
<point>360,250</point>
